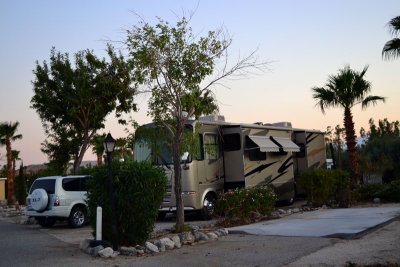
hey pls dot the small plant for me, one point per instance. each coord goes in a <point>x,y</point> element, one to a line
<point>186,228</point>
<point>245,205</point>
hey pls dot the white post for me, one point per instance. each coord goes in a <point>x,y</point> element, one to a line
<point>99,217</point>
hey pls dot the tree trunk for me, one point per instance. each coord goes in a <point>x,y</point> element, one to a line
<point>180,215</point>
<point>10,176</point>
<point>79,158</point>
<point>99,159</point>
<point>351,147</point>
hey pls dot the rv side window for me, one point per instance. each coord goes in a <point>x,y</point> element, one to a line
<point>211,146</point>
<point>257,155</point>
<point>232,142</point>
<point>302,152</point>
<point>253,151</point>
<point>200,148</point>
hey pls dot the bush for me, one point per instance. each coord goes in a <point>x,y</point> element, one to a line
<point>20,188</point>
<point>139,190</point>
<point>246,205</point>
<point>323,186</point>
<point>386,192</point>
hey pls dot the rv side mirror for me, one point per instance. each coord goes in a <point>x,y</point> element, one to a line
<point>185,156</point>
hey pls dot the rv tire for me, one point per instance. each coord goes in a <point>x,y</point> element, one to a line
<point>208,206</point>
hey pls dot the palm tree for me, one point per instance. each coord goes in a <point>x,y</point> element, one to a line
<point>392,47</point>
<point>14,158</point>
<point>7,135</point>
<point>98,147</point>
<point>345,90</point>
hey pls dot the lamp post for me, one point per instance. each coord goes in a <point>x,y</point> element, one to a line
<point>109,144</point>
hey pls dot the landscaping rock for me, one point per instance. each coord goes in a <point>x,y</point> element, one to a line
<point>187,238</point>
<point>107,253</point>
<point>281,211</point>
<point>221,232</point>
<point>296,210</point>
<point>95,251</point>
<point>168,243</point>
<point>194,227</point>
<point>128,251</point>
<point>212,236</point>
<point>177,241</point>
<point>202,236</point>
<point>161,246</point>
<point>151,247</point>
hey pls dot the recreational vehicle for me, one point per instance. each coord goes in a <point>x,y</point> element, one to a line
<point>235,155</point>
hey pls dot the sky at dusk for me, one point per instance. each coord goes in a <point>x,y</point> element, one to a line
<point>305,41</point>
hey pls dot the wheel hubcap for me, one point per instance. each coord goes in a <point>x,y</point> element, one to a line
<point>79,218</point>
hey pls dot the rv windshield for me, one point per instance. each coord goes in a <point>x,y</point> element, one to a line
<point>157,153</point>
<point>152,145</point>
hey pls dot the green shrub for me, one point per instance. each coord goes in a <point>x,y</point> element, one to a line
<point>386,192</point>
<point>139,190</point>
<point>242,206</point>
<point>323,186</point>
<point>392,191</point>
<point>20,187</point>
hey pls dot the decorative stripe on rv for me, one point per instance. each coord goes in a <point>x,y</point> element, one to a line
<point>259,168</point>
<point>310,138</point>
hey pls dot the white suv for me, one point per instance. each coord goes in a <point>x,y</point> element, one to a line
<point>58,198</point>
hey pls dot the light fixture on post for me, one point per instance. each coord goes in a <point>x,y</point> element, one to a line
<point>109,145</point>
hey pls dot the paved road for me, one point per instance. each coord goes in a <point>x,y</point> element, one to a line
<point>29,245</point>
<point>23,246</point>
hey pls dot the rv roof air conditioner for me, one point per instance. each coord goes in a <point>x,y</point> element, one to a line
<point>282,124</point>
<point>213,117</point>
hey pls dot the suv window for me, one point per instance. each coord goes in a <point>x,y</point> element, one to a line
<point>74,184</point>
<point>47,185</point>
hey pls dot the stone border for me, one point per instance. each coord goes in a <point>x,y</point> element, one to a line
<point>175,241</point>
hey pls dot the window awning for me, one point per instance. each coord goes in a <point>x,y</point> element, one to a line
<point>287,144</point>
<point>264,143</point>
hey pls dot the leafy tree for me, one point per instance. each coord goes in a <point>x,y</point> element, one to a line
<point>73,102</point>
<point>392,47</point>
<point>177,66</point>
<point>335,137</point>
<point>381,151</point>
<point>345,90</point>
<point>8,135</point>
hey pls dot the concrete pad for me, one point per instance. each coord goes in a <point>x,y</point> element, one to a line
<point>344,223</point>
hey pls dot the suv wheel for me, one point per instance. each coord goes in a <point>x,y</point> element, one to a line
<point>46,222</point>
<point>78,217</point>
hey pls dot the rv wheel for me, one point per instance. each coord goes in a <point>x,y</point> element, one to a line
<point>208,206</point>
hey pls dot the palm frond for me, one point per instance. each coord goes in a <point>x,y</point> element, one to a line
<point>391,50</point>
<point>325,96</point>
<point>394,25</point>
<point>372,99</point>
